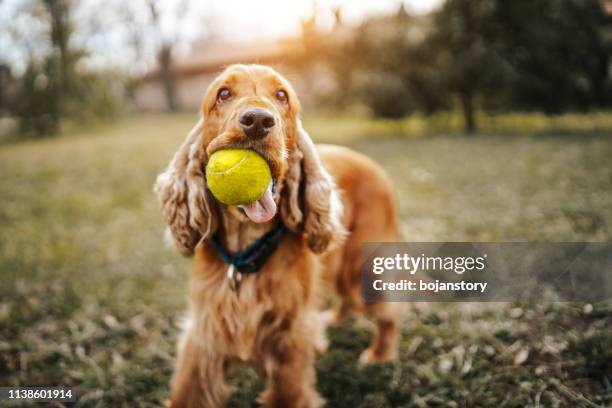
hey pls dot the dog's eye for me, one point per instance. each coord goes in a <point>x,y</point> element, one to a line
<point>281,96</point>
<point>224,94</point>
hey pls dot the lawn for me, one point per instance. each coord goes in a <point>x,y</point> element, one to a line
<point>92,298</point>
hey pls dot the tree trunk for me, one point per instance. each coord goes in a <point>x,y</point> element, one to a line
<point>467,107</point>
<point>167,77</point>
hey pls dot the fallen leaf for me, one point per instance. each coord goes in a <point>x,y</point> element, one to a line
<point>521,357</point>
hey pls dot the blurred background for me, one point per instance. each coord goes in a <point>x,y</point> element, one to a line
<point>492,117</point>
<point>387,59</point>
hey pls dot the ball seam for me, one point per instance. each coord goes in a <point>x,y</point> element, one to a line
<point>233,166</point>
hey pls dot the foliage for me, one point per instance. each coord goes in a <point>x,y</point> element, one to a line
<point>53,88</point>
<point>464,34</point>
<point>92,299</point>
<point>389,85</point>
<point>559,53</point>
<point>33,104</point>
<point>492,55</point>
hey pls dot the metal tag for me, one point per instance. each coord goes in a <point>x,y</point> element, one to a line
<point>234,277</point>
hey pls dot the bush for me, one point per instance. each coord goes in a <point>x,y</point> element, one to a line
<point>386,94</point>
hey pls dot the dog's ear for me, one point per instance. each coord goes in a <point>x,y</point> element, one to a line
<point>292,200</point>
<point>311,200</point>
<point>182,192</point>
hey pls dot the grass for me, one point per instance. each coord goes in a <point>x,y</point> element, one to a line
<point>347,128</point>
<point>91,298</point>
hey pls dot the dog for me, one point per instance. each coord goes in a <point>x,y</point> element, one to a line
<point>298,244</point>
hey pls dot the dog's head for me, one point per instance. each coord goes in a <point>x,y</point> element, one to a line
<point>252,107</point>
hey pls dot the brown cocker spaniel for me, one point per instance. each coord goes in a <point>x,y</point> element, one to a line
<point>260,271</point>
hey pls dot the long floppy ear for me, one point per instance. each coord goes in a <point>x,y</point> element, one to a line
<point>291,203</point>
<point>311,199</point>
<point>182,193</point>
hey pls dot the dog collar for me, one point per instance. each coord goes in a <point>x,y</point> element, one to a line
<point>252,258</point>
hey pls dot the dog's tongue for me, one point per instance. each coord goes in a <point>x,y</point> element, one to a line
<point>263,209</point>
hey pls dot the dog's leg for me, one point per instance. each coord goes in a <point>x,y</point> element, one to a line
<point>290,374</point>
<point>384,346</point>
<point>318,330</point>
<point>199,380</point>
<point>338,314</point>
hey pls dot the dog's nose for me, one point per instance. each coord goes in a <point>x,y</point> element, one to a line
<point>256,122</point>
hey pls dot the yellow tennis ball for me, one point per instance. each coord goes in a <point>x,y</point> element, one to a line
<point>237,176</point>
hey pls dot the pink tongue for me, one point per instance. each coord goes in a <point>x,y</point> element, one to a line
<point>263,209</point>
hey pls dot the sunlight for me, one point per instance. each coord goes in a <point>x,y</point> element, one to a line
<point>274,18</point>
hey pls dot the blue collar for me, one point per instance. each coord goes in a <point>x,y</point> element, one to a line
<point>255,256</point>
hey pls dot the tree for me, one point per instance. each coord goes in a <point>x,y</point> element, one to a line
<point>165,48</point>
<point>524,55</point>
<point>60,33</point>
<point>50,86</point>
<point>7,84</point>
<point>559,54</point>
<point>37,106</point>
<point>386,66</point>
<point>465,34</point>
<point>492,55</point>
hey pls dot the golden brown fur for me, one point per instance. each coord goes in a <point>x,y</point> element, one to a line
<point>330,199</point>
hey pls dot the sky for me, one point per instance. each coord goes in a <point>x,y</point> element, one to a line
<point>242,19</point>
<point>101,31</point>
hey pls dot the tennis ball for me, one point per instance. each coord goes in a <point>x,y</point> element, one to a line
<point>237,176</point>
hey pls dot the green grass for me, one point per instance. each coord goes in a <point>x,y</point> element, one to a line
<point>91,298</point>
<point>346,128</point>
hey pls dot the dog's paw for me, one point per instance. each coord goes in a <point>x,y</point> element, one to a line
<point>369,356</point>
<point>321,343</point>
<point>320,340</point>
<point>329,317</point>
<point>318,331</point>
<point>309,398</point>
